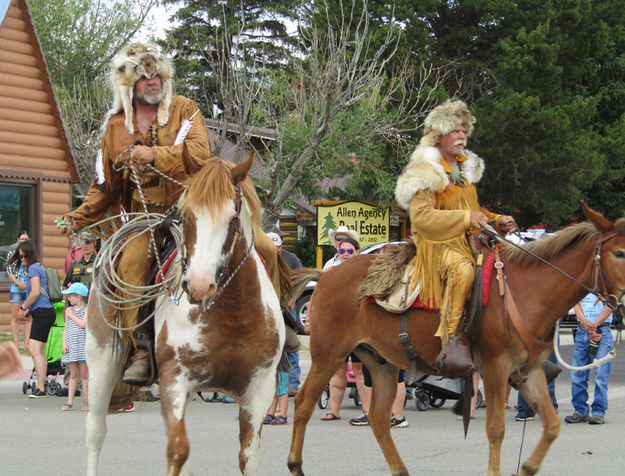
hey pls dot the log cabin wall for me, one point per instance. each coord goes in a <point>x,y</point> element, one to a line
<point>34,152</point>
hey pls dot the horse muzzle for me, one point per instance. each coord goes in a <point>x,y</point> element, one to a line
<point>200,295</point>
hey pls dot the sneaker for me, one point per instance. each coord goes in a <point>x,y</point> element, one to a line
<point>228,399</point>
<point>576,418</point>
<point>129,408</point>
<point>596,420</point>
<point>38,394</point>
<point>524,416</point>
<point>398,422</point>
<point>362,420</point>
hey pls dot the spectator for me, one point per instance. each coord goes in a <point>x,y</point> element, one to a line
<point>81,270</point>
<point>39,306</point>
<point>74,252</point>
<point>347,249</point>
<point>294,263</point>
<point>593,340</point>
<point>341,233</point>
<point>17,272</point>
<point>398,420</point>
<point>74,337</point>
<point>277,413</point>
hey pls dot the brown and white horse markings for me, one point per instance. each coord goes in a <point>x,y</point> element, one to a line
<point>233,345</point>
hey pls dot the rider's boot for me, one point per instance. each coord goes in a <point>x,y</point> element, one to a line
<point>139,370</point>
<point>454,361</point>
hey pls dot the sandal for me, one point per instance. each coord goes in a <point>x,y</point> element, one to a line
<point>280,420</point>
<point>330,417</point>
<point>67,407</point>
<point>269,420</point>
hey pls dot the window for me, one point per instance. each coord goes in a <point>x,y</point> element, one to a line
<point>16,214</point>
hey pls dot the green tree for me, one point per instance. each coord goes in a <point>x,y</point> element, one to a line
<point>79,38</point>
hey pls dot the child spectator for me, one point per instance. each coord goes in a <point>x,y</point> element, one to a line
<point>74,337</point>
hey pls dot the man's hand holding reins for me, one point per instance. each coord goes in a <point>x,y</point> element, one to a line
<point>478,220</point>
<point>507,224</point>
<point>142,154</point>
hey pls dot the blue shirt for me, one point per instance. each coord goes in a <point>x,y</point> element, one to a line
<point>36,270</point>
<point>592,307</point>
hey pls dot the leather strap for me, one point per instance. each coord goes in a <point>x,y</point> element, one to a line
<point>499,267</point>
<point>415,359</point>
<point>533,345</point>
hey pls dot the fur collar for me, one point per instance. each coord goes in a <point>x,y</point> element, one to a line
<point>425,172</point>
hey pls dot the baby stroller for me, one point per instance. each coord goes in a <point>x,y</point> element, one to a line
<point>351,384</point>
<point>432,391</point>
<point>54,352</point>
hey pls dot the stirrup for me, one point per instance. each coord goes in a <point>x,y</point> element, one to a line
<point>454,361</point>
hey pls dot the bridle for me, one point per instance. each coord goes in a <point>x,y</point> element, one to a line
<point>234,236</point>
<point>597,273</point>
<point>599,277</point>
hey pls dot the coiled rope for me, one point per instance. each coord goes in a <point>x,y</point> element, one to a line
<point>109,284</point>
<point>595,363</point>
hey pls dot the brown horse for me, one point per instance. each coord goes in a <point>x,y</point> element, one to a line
<point>225,335</point>
<point>593,253</point>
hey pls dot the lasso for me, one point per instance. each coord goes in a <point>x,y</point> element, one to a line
<point>110,285</point>
<point>595,363</point>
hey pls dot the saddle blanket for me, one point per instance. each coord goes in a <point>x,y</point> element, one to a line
<point>487,272</point>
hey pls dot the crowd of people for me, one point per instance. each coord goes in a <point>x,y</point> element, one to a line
<point>145,131</point>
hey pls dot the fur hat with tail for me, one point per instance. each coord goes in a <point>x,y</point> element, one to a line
<point>131,64</point>
<point>442,120</point>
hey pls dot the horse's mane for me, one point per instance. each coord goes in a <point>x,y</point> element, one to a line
<point>212,186</point>
<point>550,247</point>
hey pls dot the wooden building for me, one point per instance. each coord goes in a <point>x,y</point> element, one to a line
<point>36,165</point>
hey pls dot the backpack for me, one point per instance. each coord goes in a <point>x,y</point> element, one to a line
<point>54,286</point>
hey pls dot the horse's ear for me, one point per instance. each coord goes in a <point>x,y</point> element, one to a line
<point>241,171</point>
<point>600,222</point>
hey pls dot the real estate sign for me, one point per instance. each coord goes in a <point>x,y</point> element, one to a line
<point>368,219</point>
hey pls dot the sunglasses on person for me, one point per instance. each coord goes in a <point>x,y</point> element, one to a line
<point>347,250</point>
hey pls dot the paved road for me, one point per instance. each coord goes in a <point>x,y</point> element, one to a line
<point>37,438</point>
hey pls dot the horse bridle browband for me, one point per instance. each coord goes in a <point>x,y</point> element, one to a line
<point>233,236</point>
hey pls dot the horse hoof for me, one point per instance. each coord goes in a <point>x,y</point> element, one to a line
<point>295,469</point>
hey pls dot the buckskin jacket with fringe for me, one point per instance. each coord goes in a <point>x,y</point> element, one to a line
<point>439,211</point>
<point>168,159</point>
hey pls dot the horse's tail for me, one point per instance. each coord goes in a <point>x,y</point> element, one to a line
<point>286,289</point>
<point>300,278</point>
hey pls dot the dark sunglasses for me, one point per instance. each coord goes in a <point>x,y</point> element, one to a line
<point>347,250</point>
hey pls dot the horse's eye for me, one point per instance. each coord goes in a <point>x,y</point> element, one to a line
<point>620,254</point>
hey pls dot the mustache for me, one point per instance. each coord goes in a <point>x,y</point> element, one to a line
<point>461,142</point>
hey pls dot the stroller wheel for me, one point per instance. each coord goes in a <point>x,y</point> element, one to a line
<point>324,399</point>
<point>24,387</point>
<point>478,399</point>
<point>53,387</point>
<point>436,402</point>
<point>422,401</point>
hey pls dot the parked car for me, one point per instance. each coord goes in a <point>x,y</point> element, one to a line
<point>301,305</point>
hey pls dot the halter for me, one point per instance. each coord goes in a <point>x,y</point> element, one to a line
<point>233,236</point>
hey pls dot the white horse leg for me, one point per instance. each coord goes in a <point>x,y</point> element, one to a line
<point>174,396</point>
<point>252,408</point>
<point>103,374</point>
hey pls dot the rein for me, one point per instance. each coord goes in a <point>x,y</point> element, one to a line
<point>534,345</point>
<point>234,229</point>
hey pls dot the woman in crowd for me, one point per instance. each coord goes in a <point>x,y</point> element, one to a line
<point>17,294</point>
<point>40,308</point>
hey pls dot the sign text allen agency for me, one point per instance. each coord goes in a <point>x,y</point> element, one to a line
<point>370,221</point>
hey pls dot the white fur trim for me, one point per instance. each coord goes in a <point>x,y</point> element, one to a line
<point>425,172</point>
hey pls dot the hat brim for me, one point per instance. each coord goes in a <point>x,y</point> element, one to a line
<point>351,233</point>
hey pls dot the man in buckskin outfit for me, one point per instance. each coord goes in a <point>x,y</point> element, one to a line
<point>437,187</point>
<point>147,128</point>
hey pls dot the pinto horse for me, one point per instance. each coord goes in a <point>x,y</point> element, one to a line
<point>225,335</point>
<point>592,253</point>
